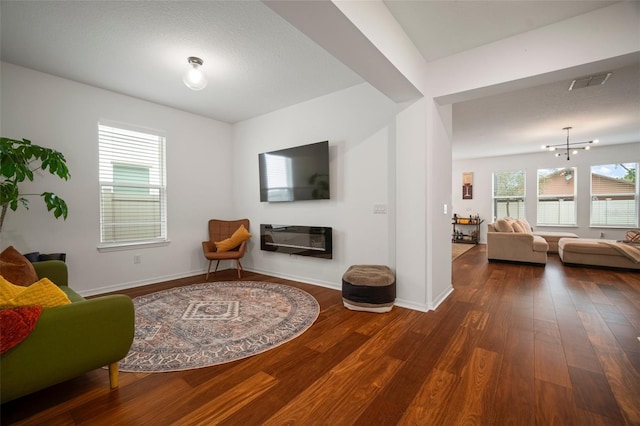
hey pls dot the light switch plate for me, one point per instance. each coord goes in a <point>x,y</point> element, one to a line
<point>379,209</point>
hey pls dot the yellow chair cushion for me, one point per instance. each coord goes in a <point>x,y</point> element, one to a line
<point>234,240</point>
<point>43,293</point>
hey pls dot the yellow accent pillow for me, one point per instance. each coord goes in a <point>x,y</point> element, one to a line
<point>43,293</point>
<point>234,240</point>
<point>8,290</point>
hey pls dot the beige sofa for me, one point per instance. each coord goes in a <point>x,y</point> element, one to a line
<point>608,253</point>
<point>509,239</point>
<point>552,238</point>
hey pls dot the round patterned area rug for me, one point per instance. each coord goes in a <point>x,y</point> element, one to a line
<point>212,323</point>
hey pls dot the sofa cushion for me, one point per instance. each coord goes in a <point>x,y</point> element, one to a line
<point>16,268</point>
<point>503,225</point>
<point>540,244</point>
<point>588,246</point>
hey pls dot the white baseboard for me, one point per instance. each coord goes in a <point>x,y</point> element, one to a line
<point>334,286</point>
<point>134,284</point>
<point>441,298</point>
<point>305,280</point>
<point>421,307</point>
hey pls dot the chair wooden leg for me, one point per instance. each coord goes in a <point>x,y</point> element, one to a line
<point>113,375</point>
<point>217,264</point>
<point>239,267</point>
<point>208,270</point>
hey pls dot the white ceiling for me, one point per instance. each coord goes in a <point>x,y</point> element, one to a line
<point>257,62</point>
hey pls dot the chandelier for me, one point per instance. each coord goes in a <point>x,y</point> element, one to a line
<point>569,148</point>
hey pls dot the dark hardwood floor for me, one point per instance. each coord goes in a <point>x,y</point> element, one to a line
<point>513,345</point>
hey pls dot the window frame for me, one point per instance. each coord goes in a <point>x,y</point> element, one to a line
<point>154,190</point>
<point>519,199</point>
<point>561,171</point>
<point>594,197</point>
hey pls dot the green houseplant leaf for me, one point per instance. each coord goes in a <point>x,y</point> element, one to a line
<point>19,159</point>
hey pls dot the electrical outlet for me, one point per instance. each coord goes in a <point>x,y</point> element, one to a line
<point>601,234</point>
<point>137,259</point>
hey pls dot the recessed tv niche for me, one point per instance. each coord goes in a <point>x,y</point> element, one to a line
<point>295,174</point>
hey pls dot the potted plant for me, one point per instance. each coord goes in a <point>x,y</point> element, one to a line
<point>19,159</point>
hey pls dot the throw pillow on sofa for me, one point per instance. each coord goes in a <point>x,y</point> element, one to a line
<point>633,236</point>
<point>42,293</point>
<point>503,225</point>
<point>16,268</point>
<point>522,226</point>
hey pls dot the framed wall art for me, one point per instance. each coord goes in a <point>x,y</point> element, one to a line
<point>467,185</point>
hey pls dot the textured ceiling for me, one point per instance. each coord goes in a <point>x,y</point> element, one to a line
<point>524,120</point>
<point>257,62</point>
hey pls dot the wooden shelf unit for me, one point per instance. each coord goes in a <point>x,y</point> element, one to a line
<point>466,230</point>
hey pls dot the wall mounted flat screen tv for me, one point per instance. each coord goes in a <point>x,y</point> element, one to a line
<point>294,174</point>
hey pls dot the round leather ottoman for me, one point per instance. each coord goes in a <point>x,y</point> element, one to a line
<point>369,288</point>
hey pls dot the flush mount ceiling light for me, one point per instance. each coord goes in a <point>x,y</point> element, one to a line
<point>569,148</point>
<point>193,77</point>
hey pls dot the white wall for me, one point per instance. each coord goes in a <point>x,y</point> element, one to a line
<point>63,115</point>
<point>483,168</point>
<point>411,202</point>
<point>357,123</point>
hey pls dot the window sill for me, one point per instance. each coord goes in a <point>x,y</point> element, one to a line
<point>613,226</point>
<point>132,246</point>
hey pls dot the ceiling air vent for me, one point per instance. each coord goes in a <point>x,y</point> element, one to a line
<point>594,80</point>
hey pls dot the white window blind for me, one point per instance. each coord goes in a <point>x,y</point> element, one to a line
<point>557,197</point>
<point>614,195</point>
<point>508,194</point>
<point>132,186</point>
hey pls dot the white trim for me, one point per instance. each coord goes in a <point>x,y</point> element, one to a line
<point>106,248</point>
<point>441,298</point>
<point>134,284</point>
<point>303,280</point>
<point>408,304</point>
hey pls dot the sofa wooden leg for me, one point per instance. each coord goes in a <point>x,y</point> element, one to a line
<point>239,269</point>
<point>113,375</point>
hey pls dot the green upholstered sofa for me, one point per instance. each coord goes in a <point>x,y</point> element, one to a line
<point>68,340</point>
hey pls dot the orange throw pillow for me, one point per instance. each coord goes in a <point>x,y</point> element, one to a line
<point>235,240</point>
<point>16,324</point>
<point>16,268</point>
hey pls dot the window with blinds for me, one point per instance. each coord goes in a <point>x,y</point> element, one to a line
<point>557,197</point>
<point>132,186</point>
<point>508,194</point>
<point>614,195</point>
